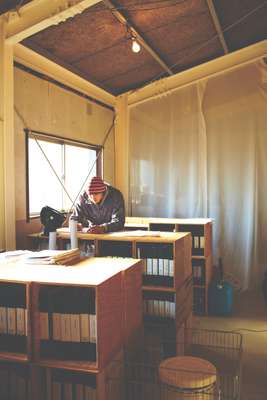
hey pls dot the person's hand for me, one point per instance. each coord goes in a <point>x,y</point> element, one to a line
<point>79,227</point>
<point>96,229</point>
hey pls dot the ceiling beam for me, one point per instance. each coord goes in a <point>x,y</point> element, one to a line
<point>140,39</point>
<point>38,15</point>
<point>205,71</point>
<point>45,53</point>
<point>217,25</point>
<point>41,64</point>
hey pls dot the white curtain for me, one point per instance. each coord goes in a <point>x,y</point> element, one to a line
<point>201,151</point>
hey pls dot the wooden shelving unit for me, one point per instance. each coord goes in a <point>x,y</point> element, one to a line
<point>201,255</point>
<point>77,319</point>
<point>167,289</point>
<point>15,327</point>
<point>201,231</point>
<point>169,256</point>
<point>167,264</point>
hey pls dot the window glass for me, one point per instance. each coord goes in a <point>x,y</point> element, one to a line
<point>71,163</point>
<point>45,188</point>
<point>76,172</point>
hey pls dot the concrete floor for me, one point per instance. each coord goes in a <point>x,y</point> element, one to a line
<point>249,316</point>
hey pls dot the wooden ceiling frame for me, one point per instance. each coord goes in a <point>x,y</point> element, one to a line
<point>38,15</point>
<point>41,14</point>
<point>217,25</point>
<point>44,65</point>
<point>137,35</point>
<point>43,52</point>
<point>210,69</point>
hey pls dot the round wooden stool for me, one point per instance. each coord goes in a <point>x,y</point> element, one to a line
<point>185,377</point>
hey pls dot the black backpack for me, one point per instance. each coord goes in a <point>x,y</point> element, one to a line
<point>51,219</point>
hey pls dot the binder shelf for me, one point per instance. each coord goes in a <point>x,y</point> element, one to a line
<point>171,307</point>
<point>67,322</point>
<point>200,229</point>
<point>167,255</point>
<point>167,261</point>
<point>80,315</point>
<point>15,335</point>
<point>201,233</point>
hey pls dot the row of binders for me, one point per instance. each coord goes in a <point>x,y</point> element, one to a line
<point>159,266</point>
<point>67,314</point>
<point>159,305</point>
<point>70,385</point>
<point>13,312</point>
<point>159,308</point>
<point>68,327</point>
<point>14,383</point>
<point>198,242</point>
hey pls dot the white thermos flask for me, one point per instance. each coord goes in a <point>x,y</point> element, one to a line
<point>73,232</point>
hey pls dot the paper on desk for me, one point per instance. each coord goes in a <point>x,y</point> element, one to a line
<point>138,233</point>
<point>44,257</point>
<point>13,256</point>
<point>43,253</point>
<point>15,253</point>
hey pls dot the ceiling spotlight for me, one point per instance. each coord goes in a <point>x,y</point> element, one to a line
<point>135,46</point>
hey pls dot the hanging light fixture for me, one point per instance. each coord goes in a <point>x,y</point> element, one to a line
<point>131,35</point>
<point>135,45</point>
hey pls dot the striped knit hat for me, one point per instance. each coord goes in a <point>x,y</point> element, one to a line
<point>96,185</point>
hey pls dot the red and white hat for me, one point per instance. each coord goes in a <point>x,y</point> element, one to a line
<point>96,185</point>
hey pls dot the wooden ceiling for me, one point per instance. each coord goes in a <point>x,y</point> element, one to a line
<point>175,35</point>
<point>7,5</point>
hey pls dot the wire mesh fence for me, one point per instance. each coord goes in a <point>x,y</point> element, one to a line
<point>197,365</point>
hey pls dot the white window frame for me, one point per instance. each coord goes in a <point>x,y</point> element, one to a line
<point>57,140</point>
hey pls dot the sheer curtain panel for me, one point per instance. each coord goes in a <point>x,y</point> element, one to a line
<point>201,151</point>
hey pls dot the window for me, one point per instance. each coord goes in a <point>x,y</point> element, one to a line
<point>70,161</point>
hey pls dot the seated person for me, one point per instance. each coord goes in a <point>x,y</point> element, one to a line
<point>101,208</point>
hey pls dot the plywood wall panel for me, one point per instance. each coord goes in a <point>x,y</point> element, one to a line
<point>43,106</point>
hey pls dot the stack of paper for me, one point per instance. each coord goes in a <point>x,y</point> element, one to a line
<point>62,257</point>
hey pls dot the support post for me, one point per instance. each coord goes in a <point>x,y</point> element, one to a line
<point>7,146</point>
<point>122,148</point>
